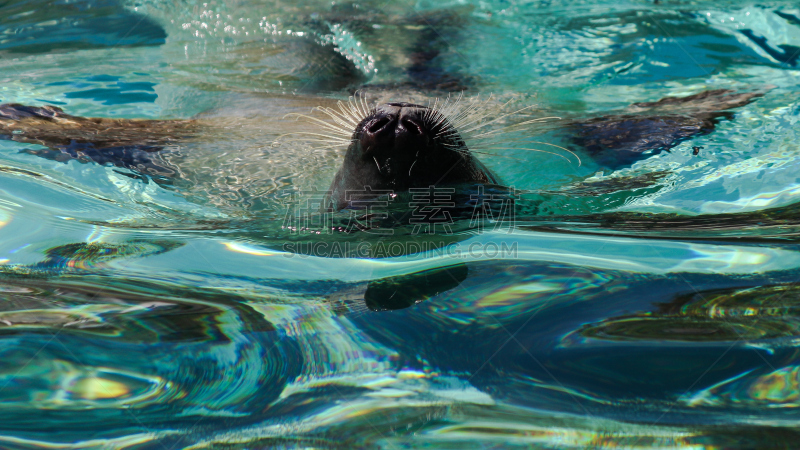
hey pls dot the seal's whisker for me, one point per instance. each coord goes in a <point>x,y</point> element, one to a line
<point>309,133</point>
<point>356,114</point>
<point>562,148</point>
<point>458,112</point>
<point>365,108</point>
<point>334,114</point>
<point>427,117</point>
<point>449,105</point>
<point>354,103</point>
<point>441,122</point>
<point>362,104</point>
<point>340,117</point>
<point>539,142</point>
<point>327,141</point>
<point>470,113</point>
<point>446,134</point>
<point>494,155</point>
<point>496,120</point>
<point>433,114</point>
<point>445,129</point>
<point>458,100</point>
<point>326,147</point>
<point>539,119</point>
<point>488,141</point>
<point>543,151</point>
<point>470,151</point>
<point>475,117</point>
<point>509,127</point>
<point>329,126</point>
<point>298,116</point>
<point>454,147</point>
<point>476,111</point>
<point>438,122</point>
<point>348,111</point>
<point>450,114</point>
<point>526,139</point>
<point>499,140</point>
<point>412,166</point>
<point>435,106</point>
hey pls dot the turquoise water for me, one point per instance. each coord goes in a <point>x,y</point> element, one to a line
<point>651,306</point>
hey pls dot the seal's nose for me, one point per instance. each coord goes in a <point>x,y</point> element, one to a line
<point>411,122</point>
<point>396,128</point>
<point>412,134</point>
<point>378,132</point>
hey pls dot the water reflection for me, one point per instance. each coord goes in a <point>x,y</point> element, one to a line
<point>306,361</point>
<point>761,388</point>
<point>132,352</point>
<point>134,315</point>
<point>762,312</point>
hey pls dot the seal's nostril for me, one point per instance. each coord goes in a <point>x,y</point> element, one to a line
<point>412,126</point>
<point>379,124</point>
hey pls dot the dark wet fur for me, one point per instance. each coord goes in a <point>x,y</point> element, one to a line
<point>649,128</point>
<point>124,143</point>
<point>611,185</point>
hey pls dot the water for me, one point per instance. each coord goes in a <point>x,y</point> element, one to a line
<point>652,306</point>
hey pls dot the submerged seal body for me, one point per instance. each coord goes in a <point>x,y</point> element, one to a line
<point>400,146</point>
<point>394,147</point>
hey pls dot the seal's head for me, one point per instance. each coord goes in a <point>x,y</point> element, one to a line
<point>398,146</point>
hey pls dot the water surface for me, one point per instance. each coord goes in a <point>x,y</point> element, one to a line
<point>651,306</point>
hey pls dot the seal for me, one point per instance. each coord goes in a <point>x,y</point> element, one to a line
<point>400,146</point>
<point>394,146</point>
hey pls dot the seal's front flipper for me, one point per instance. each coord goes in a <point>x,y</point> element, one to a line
<point>128,143</point>
<point>646,129</point>
<point>619,141</point>
<point>705,102</point>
